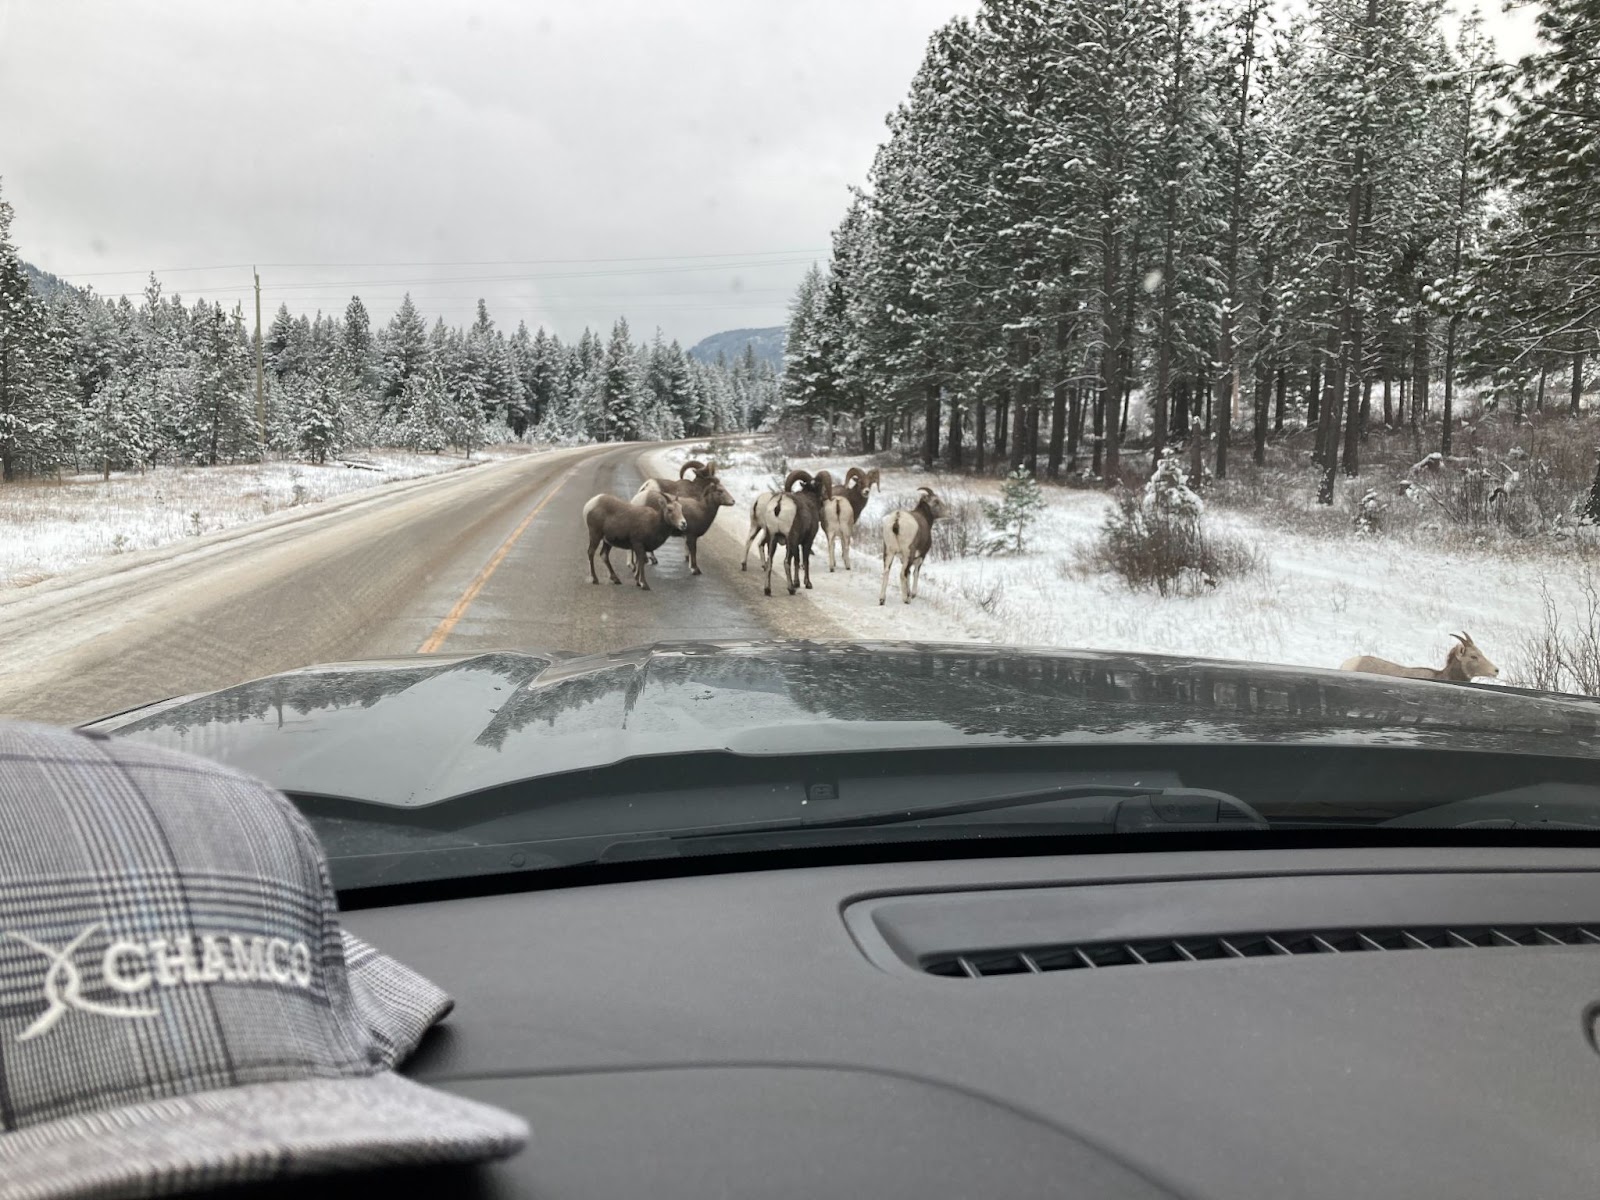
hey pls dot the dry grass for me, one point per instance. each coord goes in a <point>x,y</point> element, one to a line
<point>1563,653</point>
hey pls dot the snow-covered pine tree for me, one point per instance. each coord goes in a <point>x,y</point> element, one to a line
<point>29,367</point>
<point>402,352</point>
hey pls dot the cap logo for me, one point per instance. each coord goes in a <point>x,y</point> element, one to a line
<point>134,968</point>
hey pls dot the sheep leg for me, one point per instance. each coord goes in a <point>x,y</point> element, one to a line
<point>844,548</point>
<point>605,556</point>
<point>831,536</point>
<point>767,591</point>
<point>594,540</point>
<point>640,555</point>
<point>694,557</point>
<point>755,532</point>
<point>883,588</point>
<point>805,557</point>
<point>916,579</point>
<point>905,581</point>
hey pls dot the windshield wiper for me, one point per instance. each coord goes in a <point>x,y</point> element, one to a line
<point>1107,808</point>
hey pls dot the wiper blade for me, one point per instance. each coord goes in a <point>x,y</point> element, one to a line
<point>1120,809</point>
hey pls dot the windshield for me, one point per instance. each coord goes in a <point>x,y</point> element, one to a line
<point>697,385</point>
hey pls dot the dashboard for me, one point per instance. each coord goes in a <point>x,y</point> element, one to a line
<point>1210,1023</point>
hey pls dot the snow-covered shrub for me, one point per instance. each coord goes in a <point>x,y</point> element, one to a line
<point>963,532</point>
<point>1369,514</point>
<point>1158,539</point>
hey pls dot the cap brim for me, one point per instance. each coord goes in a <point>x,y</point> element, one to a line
<point>250,1134</point>
<point>397,1004</point>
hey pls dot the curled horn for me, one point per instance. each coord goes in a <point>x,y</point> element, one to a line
<point>804,477</point>
<point>699,468</point>
<point>711,467</point>
<point>874,479</point>
<point>856,477</point>
<point>1463,638</point>
<point>825,483</point>
<point>928,490</point>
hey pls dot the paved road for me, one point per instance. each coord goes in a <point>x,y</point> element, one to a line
<point>488,558</point>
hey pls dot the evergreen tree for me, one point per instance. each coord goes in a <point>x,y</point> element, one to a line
<point>402,352</point>
<point>28,366</point>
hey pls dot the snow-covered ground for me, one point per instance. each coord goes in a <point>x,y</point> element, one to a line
<point>49,527</point>
<point>1317,602</point>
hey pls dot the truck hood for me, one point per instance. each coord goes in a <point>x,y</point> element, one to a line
<point>415,731</point>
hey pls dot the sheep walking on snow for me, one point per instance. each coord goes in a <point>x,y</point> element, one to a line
<point>908,536</point>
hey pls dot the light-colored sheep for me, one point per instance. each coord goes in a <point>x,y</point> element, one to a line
<point>1464,663</point>
<point>908,536</point>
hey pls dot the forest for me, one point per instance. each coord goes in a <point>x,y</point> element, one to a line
<point>1099,231</point>
<point>95,383</point>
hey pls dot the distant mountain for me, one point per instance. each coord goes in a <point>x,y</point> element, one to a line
<point>44,284</point>
<point>731,343</point>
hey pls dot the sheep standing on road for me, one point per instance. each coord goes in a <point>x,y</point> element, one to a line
<point>841,509</point>
<point>640,528</point>
<point>796,518</point>
<point>763,514</point>
<point>908,536</point>
<point>700,498</point>
<point>1464,663</point>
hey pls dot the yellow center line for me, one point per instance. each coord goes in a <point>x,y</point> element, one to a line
<point>444,628</point>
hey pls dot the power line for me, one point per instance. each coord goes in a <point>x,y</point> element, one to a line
<point>486,262</point>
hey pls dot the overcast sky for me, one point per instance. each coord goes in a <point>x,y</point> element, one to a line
<point>677,162</point>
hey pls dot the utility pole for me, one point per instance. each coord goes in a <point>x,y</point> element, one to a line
<point>261,392</point>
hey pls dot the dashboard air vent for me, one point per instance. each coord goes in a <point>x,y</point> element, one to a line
<point>1034,960</point>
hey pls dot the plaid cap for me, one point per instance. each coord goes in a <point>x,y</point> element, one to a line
<point>179,1008</point>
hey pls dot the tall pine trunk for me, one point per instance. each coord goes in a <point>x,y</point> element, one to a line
<point>930,422</point>
<point>1227,351</point>
<point>979,422</point>
<point>954,448</point>
<point>1169,236</point>
<point>1355,423</point>
<point>1464,151</point>
<point>1058,429</point>
<point>1106,444</point>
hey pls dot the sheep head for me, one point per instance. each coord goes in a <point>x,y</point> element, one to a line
<point>929,499</point>
<point>805,479</point>
<point>716,495</point>
<point>856,478</point>
<point>1466,660</point>
<point>825,483</point>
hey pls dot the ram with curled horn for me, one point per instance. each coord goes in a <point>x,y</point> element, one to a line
<point>841,510</point>
<point>908,536</point>
<point>789,518</point>
<point>703,495</point>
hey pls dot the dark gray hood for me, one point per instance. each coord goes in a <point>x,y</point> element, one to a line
<point>418,730</point>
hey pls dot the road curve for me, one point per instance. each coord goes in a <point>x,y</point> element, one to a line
<point>481,559</point>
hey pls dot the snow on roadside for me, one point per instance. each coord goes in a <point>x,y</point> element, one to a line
<point>48,527</point>
<point>1318,602</point>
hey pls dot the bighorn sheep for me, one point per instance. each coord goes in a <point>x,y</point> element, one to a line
<point>703,472</point>
<point>908,536</point>
<point>842,509</point>
<point>796,518</point>
<point>614,522</point>
<point>1464,663</point>
<point>762,511</point>
<point>700,498</point>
